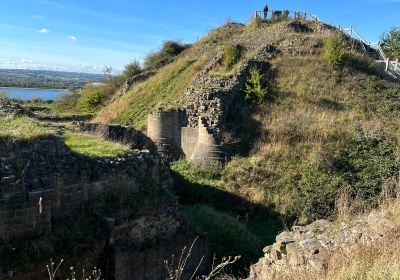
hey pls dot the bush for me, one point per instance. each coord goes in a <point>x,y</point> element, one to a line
<point>132,69</point>
<point>334,52</point>
<point>255,93</point>
<point>232,55</point>
<point>164,56</point>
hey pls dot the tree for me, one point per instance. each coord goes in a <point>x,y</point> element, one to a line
<point>390,42</point>
<point>254,91</point>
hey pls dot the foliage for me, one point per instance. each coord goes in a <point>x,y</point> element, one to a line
<point>223,231</point>
<point>132,69</point>
<point>254,91</point>
<point>334,52</point>
<point>66,102</point>
<point>201,192</point>
<point>391,43</point>
<point>167,54</point>
<point>93,97</point>
<point>232,55</point>
<point>93,146</point>
<point>45,79</point>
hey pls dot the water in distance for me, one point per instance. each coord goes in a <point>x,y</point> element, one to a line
<point>32,93</point>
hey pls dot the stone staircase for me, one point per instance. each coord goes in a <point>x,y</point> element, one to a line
<point>392,68</point>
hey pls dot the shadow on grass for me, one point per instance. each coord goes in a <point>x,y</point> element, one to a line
<point>233,225</point>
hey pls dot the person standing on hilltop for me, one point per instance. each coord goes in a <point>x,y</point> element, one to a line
<point>265,11</point>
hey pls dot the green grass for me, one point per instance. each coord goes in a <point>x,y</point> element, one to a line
<point>234,225</point>
<point>22,128</point>
<point>93,146</point>
<point>166,86</point>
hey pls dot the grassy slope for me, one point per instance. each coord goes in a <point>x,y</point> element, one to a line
<point>325,130</point>
<point>171,81</point>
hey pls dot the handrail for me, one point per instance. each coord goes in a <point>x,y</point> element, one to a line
<point>391,66</point>
<point>292,14</point>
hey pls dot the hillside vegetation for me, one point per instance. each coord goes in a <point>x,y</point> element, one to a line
<point>328,123</point>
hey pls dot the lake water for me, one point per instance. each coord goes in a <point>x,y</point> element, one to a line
<point>29,93</point>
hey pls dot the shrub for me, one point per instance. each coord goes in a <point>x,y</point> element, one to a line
<point>165,55</point>
<point>232,55</point>
<point>391,43</point>
<point>334,51</point>
<point>132,69</point>
<point>255,93</point>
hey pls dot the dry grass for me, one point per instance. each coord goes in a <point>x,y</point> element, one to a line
<point>171,81</point>
<point>22,128</point>
<point>377,261</point>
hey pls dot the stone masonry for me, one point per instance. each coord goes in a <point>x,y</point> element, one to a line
<point>309,248</point>
<point>42,180</point>
<point>195,131</point>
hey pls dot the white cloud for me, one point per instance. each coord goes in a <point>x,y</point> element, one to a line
<point>27,61</point>
<point>72,38</point>
<point>43,30</point>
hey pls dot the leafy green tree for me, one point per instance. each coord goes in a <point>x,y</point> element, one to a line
<point>391,43</point>
<point>255,93</point>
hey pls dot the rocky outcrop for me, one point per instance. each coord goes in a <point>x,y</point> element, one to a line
<point>309,248</point>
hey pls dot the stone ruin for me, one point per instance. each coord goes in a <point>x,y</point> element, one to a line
<point>195,131</point>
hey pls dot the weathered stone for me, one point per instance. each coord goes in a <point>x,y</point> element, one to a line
<point>310,247</point>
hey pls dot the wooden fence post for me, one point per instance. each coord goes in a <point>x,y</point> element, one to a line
<point>387,65</point>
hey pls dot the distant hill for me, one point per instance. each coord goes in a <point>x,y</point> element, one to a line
<point>46,79</point>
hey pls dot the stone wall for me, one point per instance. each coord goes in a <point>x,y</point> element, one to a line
<point>42,180</point>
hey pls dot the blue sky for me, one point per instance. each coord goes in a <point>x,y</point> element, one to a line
<point>85,35</point>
